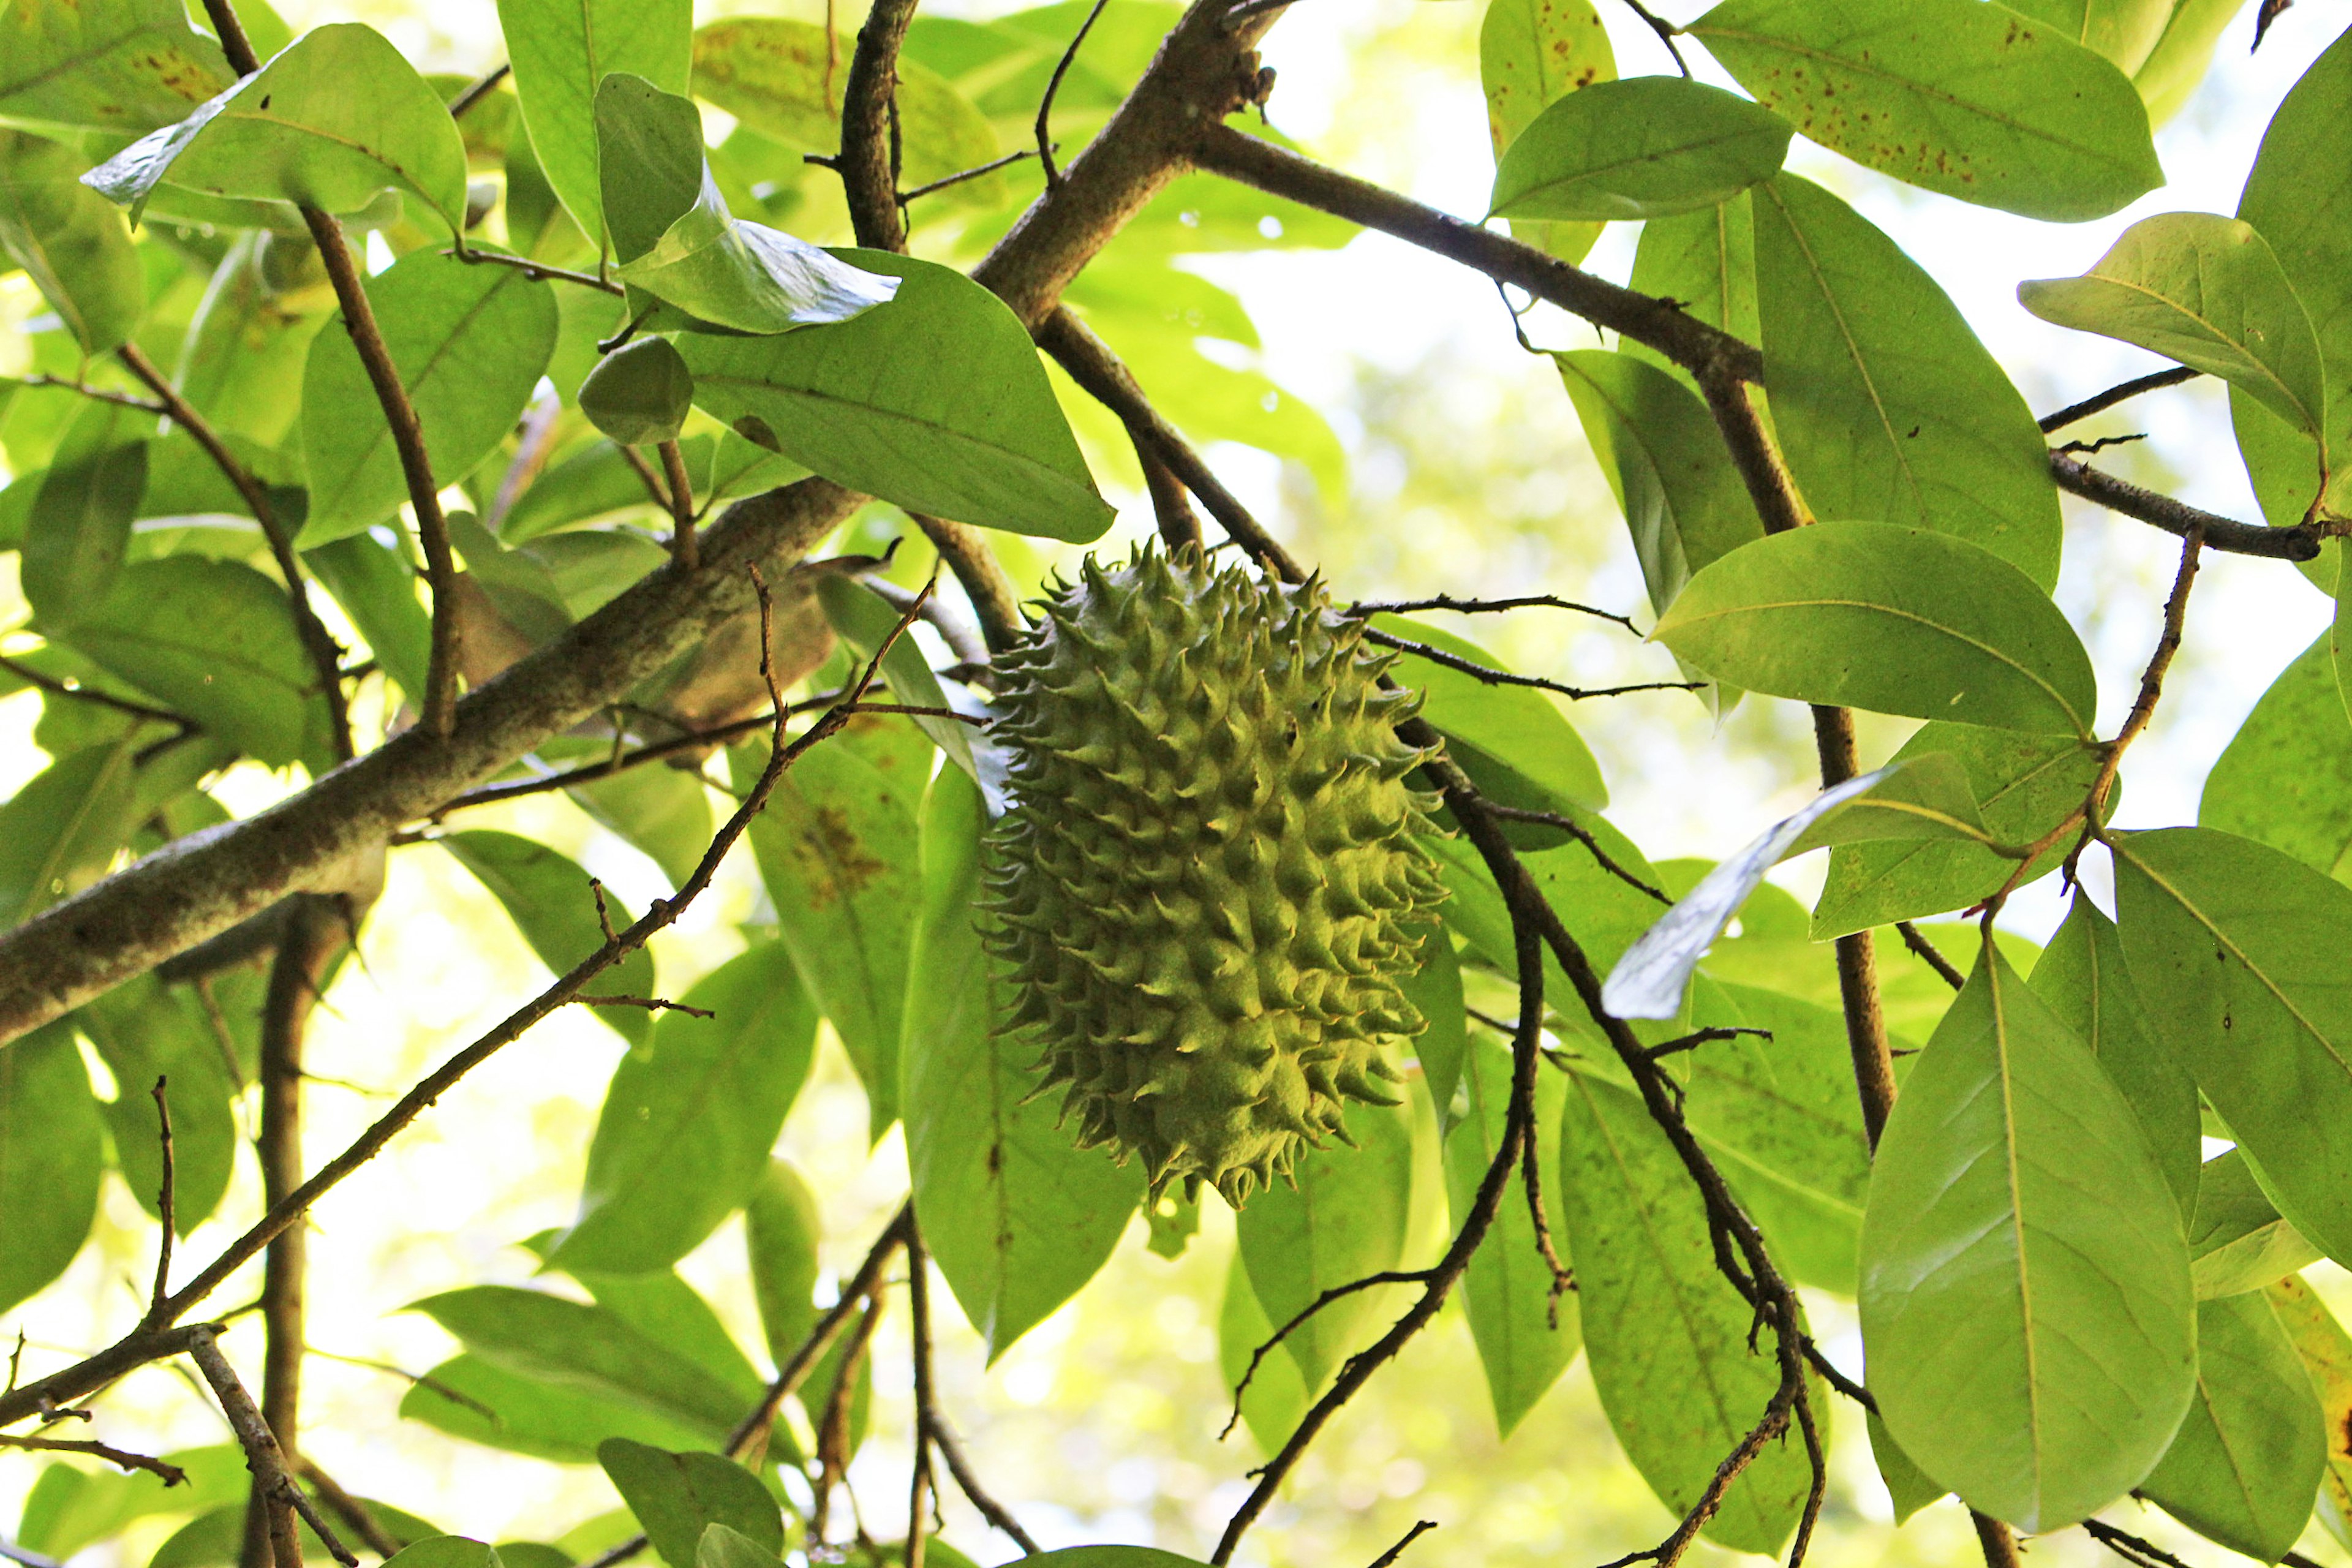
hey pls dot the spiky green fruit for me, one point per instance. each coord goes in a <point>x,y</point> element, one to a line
<point>1206,888</point>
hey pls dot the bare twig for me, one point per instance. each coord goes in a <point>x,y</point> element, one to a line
<point>833,1419</point>
<point>1928,953</point>
<point>1665,31</point>
<point>1421,1528</point>
<point>1999,1546</point>
<point>868,172</point>
<point>1052,87</point>
<point>2092,448</point>
<point>357,1517</point>
<point>167,1202</point>
<point>1583,835</point>
<point>650,1004</point>
<point>1171,507</point>
<point>123,705</point>
<point>2100,402</point>
<point>280,1498</point>
<point>415,1379</point>
<point>1490,606</point>
<point>541,271</point>
<point>1705,1036</point>
<point>1563,1279</point>
<point>681,506</point>
<point>170,1474</point>
<point>932,1430</point>
<point>1298,1320</point>
<point>961,175</point>
<point>478,90</point>
<point>821,1336</point>
<point>99,394</point>
<point>2300,542</point>
<point>1493,677</point>
<point>693,740</point>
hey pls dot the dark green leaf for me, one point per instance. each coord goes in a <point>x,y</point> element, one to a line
<point>377,591</point>
<point>2249,1459</point>
<point>144,1031</point>
<point>1650,146</point>
<point>2204,290</point>
<point>560,52</point>
<point>2237,1241</point>
<point>837,847</point>
<point>105,65</point>
<point>79,525</point>
<point>1665,1334</point>
<point>1517,725</point>
<point>1531,54</point>
<point>2083,979</point>
<point>640,394</point>
<point>1658,447</point>
<point>1525,1333</point>
<point>935,402</point>
<point>2025,1298</point>
<point>51,1151</point>
<point>337,117</point>
<point>1435,991</point>
<point>1887,404</point>
<point>1950,95</point>
<point>676,1496</point>
<point>1017,1218</point>
<point>71,243</point>
<point>1277,1395</point>
<point>2023,785</point>
<point>780,1232</point>
<point>684,1135</point>
<point>2286,779</point>
<point>552,904</point>
<point>469,1397</point>
<point>1890,618</point>
<point>62,829</point>
<point>2239,949</point>
<point>469,341</point>
<point>1340,1217</point>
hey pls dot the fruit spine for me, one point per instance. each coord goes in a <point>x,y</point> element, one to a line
<point>1205,889</point>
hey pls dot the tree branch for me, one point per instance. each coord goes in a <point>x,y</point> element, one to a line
<point>869,175</point>
<point>170,1474</point>
<point>1928,953</point>
<point>2100,402</point>
<point>2300,542</point>
<point>167,1206</point>
<point>272,1486</point>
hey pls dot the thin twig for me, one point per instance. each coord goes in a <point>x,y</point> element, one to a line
<point>1171,506</point>
<point>682,548</point>
<point>1493,677</point>
<point>959,177</point>
<point>171,1474</point>
<point>919,1313</point>
<point>1583,835</point>
<point>693,740</point>
<point>49,683</point>
<point>1053,87</point>
<point>1563,1279</point>
<point>99,394</point>
<point>868,172</point>
<point>2100,402</point>
<point>540,271</point>
<point>281,1499</point>
<point>416,1379</point>
<point>1298,1321</point>
<point>2092,448</point>
<point>478,89</point>
<point>833,1420</point>
<point>1420,1529</point>
<point>357,1517</point>
<point>1665,31</point>
<point>1705,1036</point>
<point>650,1004</point>
<point>1487,606</point>
<point>823,1334</point>
<point>2300,542</point>
<point>167,1204</point>
<point>1928,953</point>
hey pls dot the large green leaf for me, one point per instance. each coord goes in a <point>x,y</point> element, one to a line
<point>676,242</point>
<point>1649,147</point>
<point>781,1229</point>
<point>1531,54</point>
<point>549,898</point>
<point>2178,63</point>
<point>1518,726</point>
<point>339,116</point>
<point>145,1032</point>
<point>837,847</point>
<point>2085,980</point>
<point>67,1509</point>
<point>105,65</point>
<point>1658,447</point>
<point>1435,991</point>
<point>935,402</point>
<point>2124,31</point>
<point>1890,618</point>
<point>2025,1298</point>
<point>70,240</point>
<point>469,341</point>
<point>240,365</point>
<point>51,1149</point>
<point>79,528</point>
<point>1887,404</point>
<point>2239,951</point>
<point>2025,786</point>
<point>469,1397</point>
<point>676,1496</point>
<point>58,832</point>
<point>688,1123</point>
<point>215,640</point>
<point>2285,780</point>
<point>2249,1457</point>
<point>1526,1334</point>
<point>1667,1335</point>
<point>1017,1219</point>
<point>1341,1216</point>
<point>1955,96</point>
<point>1276,1397</point>
<point>2207,291</point>
<point>561,50</point>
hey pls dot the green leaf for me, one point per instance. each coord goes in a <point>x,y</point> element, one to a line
<point>1907,1488</point>
<point>683,1138</point>
<point>2023,785</point>
<point>144,1031</point>
<point>866,620</point>
<point>2204,290</point>
<point>837,847</point>
<point>588,1350</point>
<point>79,525</point>
<point>664,812</point>
<point>337,118</point>
<point>213,640</point>
<point>1110,1557</point>
<point>1518,726</point>
<point>51,1149</point>
<point>1665,1334</point>
<point>722,1546</point>
<point>1341,1216</point>
<point>561,53</point>
<point>935,402</point>
<point>782,1230</point>
<point>552,904</point>
<point>2239,949</point>
<point>2326,1351</point>
<point>1887,404</point>
<point>1780,1118</point>
<point>1650,146</point>
<point>1890,618</point>
<point>676,240</point>
<point>2124,31</point>
<point>2237,1241</point>
<point>1526,1333</point>
<point>444,1552</point>
<point>2297,198</point>
<point>1435,991</point>
<point>2083,979</point>
<point>71,242</point>
<point>2178,63</point>
<point>1949,95</point>
<point>676,1496</point>
<point>1705,260</point>
<point>2249,1459</point>
<point>469,341</point>
<point>215,1539</point>
<point>377,591</point>
<point>1531,54</point>
<point>640,394</point>
<point>775,76</point>
<point>468,1397</point>
<point>2025,1298</point>
<point>2285,780</point>
<point>1278,1396</point>
<point>68,1510</point>
<point>1017,1219</point>
<point>60,830</point>
<point>1658,447</point>
<point>105,65</point>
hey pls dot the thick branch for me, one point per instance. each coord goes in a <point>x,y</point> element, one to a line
<point>869,177</point>
<point>2300,542</point>
<point>995,602</point>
